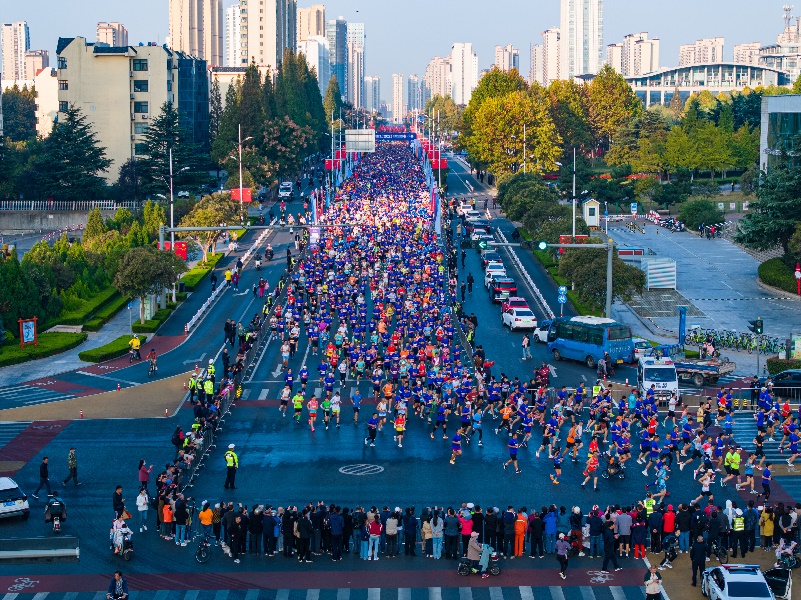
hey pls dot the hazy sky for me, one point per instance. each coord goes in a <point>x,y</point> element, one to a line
<point>403,35</point>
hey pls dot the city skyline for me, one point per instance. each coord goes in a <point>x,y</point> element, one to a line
<point>148,22</point>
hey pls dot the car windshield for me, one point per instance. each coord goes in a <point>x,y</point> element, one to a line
<point>518,303</point>
<point>642,346</point>
<point>524,313</point>
<point>492,257</point>
<point>748,589</point>
<point>664,375</point>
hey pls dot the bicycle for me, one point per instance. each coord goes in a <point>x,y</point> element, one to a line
<point>720,551</point>
<point>151,369</point>
<point>203,552</point>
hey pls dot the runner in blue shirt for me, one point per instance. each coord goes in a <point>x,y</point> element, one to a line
<point>513,446</point>
<point>456,445</point>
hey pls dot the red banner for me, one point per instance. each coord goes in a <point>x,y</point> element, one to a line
<point>331,164</point>
<point>247,195</point>
<point>180,249</point>
<point>439,164</point>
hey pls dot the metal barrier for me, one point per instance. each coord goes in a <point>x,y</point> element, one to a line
<point>68,205</point>
<point>537,294</point>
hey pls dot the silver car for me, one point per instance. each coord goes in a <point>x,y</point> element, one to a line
<point>746,582</point>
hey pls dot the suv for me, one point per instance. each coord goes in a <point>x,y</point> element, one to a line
<point>500,288</point>
<point>786,384</point>
<point>13,503</point>
<point>745,582</point>
<point>285,190</point>
<point>541,332</point>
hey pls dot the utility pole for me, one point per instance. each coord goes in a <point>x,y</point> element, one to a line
<point>526,152</point>
<point>574,193</point>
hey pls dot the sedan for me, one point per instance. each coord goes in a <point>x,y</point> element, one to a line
<point>13,502</point>
<point>490,257</point>
<point>540,333</point>
<point>515,302</point>
<point>519,318</point>
<point>494,270</point>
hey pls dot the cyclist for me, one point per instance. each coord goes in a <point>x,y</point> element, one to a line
<point>118,588</point>
<point>152,358</point>
<point>134,343</point>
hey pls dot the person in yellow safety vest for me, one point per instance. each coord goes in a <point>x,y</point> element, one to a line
<point>228,276</point>
<point>192,385</point>
<point>649,504</point>
<point>731,463</point>
<point>135,344</point>
<point>737,536</point>
<point>232,464</point>
<point>210,370</point>
<point>208,388</point>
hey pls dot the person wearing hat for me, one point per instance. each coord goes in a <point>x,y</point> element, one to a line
<point>562,548</point>
<point>232,464</point>
<point>474,552</point>
<point>653,581</point>
<point>737,533</point>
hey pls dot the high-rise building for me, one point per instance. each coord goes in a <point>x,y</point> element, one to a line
<point>196,29</point>
<point>234,42</point>
<point>15,40</point>
<point>372,93</point>
<point>266,29</point>
<point>635,55</point>
<point>398,104</point>
<point>551,55</point>
<point>311,22</point>
<point>356,48</point>
<point>747,54</point>
<point>315,49</point>
<point>438,76</point>
<point>582,35</point>
<point>709,50</point>
<point>121,89</point>
<point>507,58</point>
<point>113,34</point>
<point>785,54</point>
<point>535,71</point>
<point>35,61</point>
<point>417,94</point>
<point>464,72</point>
<point>336,30</point>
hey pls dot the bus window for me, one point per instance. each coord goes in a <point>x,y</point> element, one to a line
<point>620,332</point>
<point>566,331</point>
<point>596,337</point>
<point>580,333</point>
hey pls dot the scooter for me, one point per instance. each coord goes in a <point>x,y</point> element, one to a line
<point>258,263</point>
<point>466,567</point>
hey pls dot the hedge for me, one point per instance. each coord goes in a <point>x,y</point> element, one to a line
<point>777,365</point>
<point>774,272</point>
<point>113,349</point>
<point>88,308</point>
<point>104,315</point>
<point>153,324</point>
<point>49,345</point>
<point>197,273</point>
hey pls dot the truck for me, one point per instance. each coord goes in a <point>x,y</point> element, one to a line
<point>660,373</point>
<point>699,372</point>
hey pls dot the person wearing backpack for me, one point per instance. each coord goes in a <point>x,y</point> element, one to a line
<point>178,437</point>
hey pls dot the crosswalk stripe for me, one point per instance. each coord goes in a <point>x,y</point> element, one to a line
<point>282,595</point>
<point>10,596</point>
<point>312,594</point>
<point>71,596</point>
<point>465,593</point>
<point>434,593</point>
<point>404,594</point>
<point>251,595</point>
<point>40,596</point>
<point>162,595</point>
<point>587,593</point>
<point>263,394</point>
<point>526,593</point>
<point>99,596</point>
<point>496,593</point>
<point>557,593</point>
<point>221,595</point>
<point>617,592</point>
<point>343,594</point>
<point>192,595</point>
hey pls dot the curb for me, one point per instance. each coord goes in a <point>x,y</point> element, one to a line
<point>779,291</point>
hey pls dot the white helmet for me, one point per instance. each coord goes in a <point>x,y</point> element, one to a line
<point>576,510</point>
<point>211,361</point>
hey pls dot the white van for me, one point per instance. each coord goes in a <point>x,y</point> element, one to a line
<point>659,372</point>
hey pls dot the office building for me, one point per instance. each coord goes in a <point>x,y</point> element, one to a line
<point>234,42</point>
<point>464,72</point>
<point>438,76</point>
<point>581,37</point>
<point>709,50</point>
<point>311,22</point>
<point>266,29</point>
<point>35,61</point>
<point>635,55</point>
<point>113,34</point>
<point>417,94</point>
<point>747,54</point>
<point>507,58</point>
<point>315,49</point>
<point>785,54</point>
<point>372,93</point>
<point>120,89</point>
<point>196,29</point>
<point>15,40</point>
<point>336,30</point>
<point>355,73</point>
<point>398,104</point>
<point>780,130</point>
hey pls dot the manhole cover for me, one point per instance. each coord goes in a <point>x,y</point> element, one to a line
<point>360,470</point>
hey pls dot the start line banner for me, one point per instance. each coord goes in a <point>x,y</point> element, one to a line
<point>394,137</point>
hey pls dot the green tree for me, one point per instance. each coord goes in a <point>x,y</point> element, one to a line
<point>694,213</point>
<point>749,180</point>
<point>797,86</point>
<point>153,216</point>
<point>70,161</point>
<point>333,101</point>
<point>209,212</point>
<point>19,113</point>
<point>145,271</point>
<point>570,114</point>
<point>128,182</point>
<point>228,132</point>
<point>713,150</point>
<point>744,147</point>
<point>215,110</point>
<point>587,270</point>
<point>583,175</point>
<point>450,115</point>
<point>772,218</point>
<point>95,227</point>
<point>680,151</point>
<point>611,103</point>
<point>676,105</point>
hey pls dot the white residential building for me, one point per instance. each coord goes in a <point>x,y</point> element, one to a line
<point>315,49</point>
<point>196,28</point>
<point>582,34</point>
<point>747,54</point>
<point>709,50</point>
<point>551,55</point>
<point>438,76</point>
<point>464,72</point>
<point>113,33</point>
<point>35,61</point>
<point>372,93</point>
<point>235,44</point>
<point>356,47</point>
<point>635,55</point>
<point>535,72</point>
<point>398,104</point>
<point>15,41</point>
<point>311,22</point>
<point>507,58</point>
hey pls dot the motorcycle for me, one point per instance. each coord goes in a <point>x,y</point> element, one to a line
<point>258,263</point>
<point>269,254</point>
<point>55,513</point>
<point>126,551</point>
<point>466,566</point>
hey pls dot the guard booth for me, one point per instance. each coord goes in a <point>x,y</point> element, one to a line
<point>591,210</point>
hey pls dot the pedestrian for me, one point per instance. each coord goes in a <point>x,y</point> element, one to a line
<point>698,557</point>
<point>142,506</point>
<point>562,547</point>
<point>464,255</point>
<point>526,343</point>
<point>72,466</point>
<point>236,533</point>
<point>44,479</point>
<point>609,545</point>
<point>463,289</point>
<point>470,282</point>
<point>118,588</point>
<point>144,474</point>
<point>231,464</point>
<point>653,581</point>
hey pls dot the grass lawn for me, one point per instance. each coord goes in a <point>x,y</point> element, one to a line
<point>49,344</point>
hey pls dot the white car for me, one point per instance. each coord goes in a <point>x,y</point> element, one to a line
<point>745,582</point>
<point>519,318</point>
<point>641,348</point>
<point>494,270</point>
<point>285,190</point>
<point>464,208</point>
<point>13,503</point>
<point>472,214</point>
<point>540,333</point>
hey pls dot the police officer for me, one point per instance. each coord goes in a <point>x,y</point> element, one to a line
<point>208,389</point>
<point>192,387</point>
<point>210,371</point>
<point>736,536</point>
<point>232,464</point>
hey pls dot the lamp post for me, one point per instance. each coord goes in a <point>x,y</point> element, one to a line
<point>574,192</point>
<point>525,152</point>
<point>241,198</point>
<point>172,223</point>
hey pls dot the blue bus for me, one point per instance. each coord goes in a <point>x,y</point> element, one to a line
<point>585,339</point>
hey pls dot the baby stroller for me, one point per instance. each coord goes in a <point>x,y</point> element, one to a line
<point>671,547</point>
<point>613,469</point>
<point>787,555</point>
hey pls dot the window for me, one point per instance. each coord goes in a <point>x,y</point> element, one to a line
<point>596,337</point>
<point>590,211</point>
<point>580,333</point>
<point>63,106</point>
<point>140,64</point>
<point>63,84</point>
<point>140,149</point>
<point>140,85</point>
<point>140,128</point>
<point>140,107</point>
<point>169,85</point>
<point>62,62</point>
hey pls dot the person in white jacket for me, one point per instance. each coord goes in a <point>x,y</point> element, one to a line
<point>142,504</point>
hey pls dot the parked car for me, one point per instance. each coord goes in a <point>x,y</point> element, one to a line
<point>745,582</point>
<point>641,348</point>
<point>515,302</point>
<point>285,190</point>
<point>478,224</point>
<point>785,384</point>
<point>471,214</point>
<point>490,257</point>
<point>493,270</point>
<point>500,288</point>
<point>540,333</point>
<point>13,502</point>
<point>518,318</point>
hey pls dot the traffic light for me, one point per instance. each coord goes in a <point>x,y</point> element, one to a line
<point>542,245</point>
<point>756,326</point>
<point>526,245</point>
<point>482,244</point>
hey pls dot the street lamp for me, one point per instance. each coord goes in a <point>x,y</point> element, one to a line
<point>172,213</point>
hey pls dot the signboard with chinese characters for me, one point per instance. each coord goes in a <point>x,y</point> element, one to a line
<point>28,333</point>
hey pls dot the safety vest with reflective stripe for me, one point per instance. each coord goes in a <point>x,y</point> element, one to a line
<point>231,459</point>
<point>649,506</point>
<point>739,524</point>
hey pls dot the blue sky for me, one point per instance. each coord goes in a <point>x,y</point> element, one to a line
<point>402,35</point>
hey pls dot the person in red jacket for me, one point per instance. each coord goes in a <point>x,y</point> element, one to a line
<point>668,522</point>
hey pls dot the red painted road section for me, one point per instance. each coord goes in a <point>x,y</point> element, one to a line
<point>161,343</point>
<point>311,578</point>
<point>65,387</point>
<point>30,442</point>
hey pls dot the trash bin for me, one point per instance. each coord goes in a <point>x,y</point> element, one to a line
<point>181,287</point>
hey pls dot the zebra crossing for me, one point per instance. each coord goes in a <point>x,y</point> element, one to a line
<point>11,429</point>
<point>745,430</point>
<point>595,592</point>
<point>29,395</point>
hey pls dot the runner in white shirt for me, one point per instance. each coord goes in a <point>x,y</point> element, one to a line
<point>336,405</point>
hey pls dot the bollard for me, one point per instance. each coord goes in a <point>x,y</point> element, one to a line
<point>627,381</point>
<point>184,386</point>
<point>82,414</point>
<point>166,414</point>
<point>195,368</point>
<point>118,387</point>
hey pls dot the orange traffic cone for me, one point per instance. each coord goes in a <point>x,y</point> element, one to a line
<point>82,414</point>
<point>118,387</point>
<point>185,385</point>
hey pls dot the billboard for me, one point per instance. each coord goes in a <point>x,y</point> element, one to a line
<point>394,137</point>
<point>360,140</point>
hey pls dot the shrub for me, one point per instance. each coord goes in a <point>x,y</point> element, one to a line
<point>695,212</point>
<point>153,324</point>
<point>82,310</point>
<point>49,345</point>
<point>777,365</point>
<point>197,273</point>
<point>113,349</point>
<point>774,272</point>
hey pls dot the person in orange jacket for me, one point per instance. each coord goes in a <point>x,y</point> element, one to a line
<point>521,524</point>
